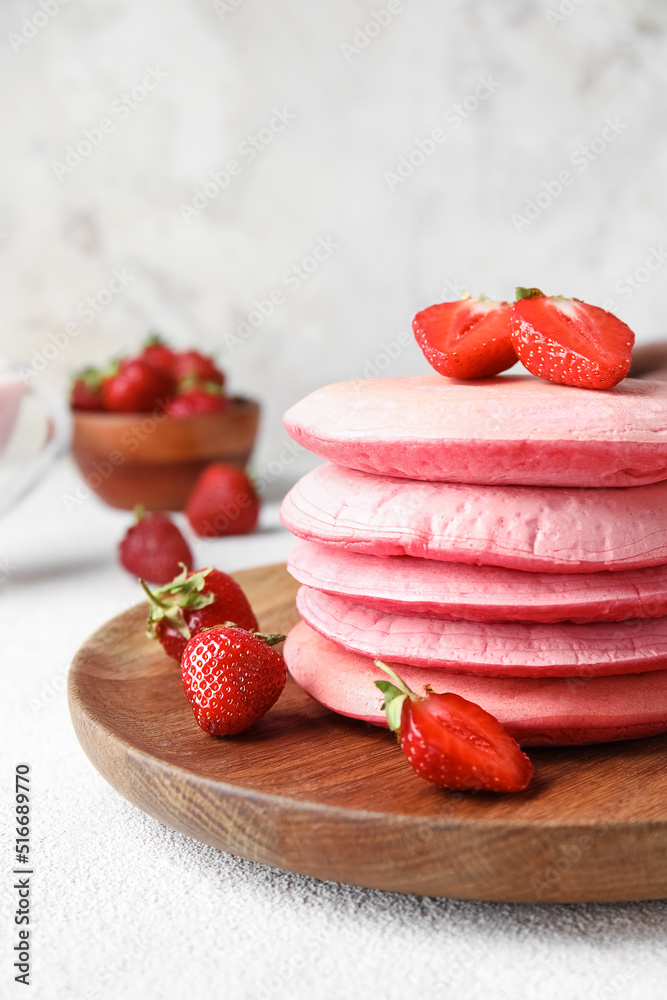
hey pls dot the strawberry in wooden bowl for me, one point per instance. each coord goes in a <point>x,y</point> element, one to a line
<point>145,427</point>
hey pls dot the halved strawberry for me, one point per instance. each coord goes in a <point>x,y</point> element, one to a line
<point>466,339</point>
<point>451,741</point>
<point>567,340</point>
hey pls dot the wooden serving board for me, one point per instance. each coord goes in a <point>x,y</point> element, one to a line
<point>311,792</point>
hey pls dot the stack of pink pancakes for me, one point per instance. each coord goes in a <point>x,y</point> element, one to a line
<point>504,539</point>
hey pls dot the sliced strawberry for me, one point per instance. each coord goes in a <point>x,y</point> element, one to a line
<point>466,339</point>
<point>453,742</point>
<point>569,341</point>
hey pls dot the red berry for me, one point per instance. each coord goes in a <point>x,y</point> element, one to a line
<point>223,502</point>
<point>160,356</point>
<point>196,403</point>
<point>192,365</point>
<point>86,392</point>
<point>566,340</point>
<point>232,678</point>
<point>136,387</point>
<point>453,742</point>
<point>154,548</point>
<point>466,339</point>
<point>196,601</point>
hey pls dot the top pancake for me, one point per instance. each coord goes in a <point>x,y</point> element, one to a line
<point>509,430</point>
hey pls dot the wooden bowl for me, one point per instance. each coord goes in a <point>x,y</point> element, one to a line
<point>153,459</point>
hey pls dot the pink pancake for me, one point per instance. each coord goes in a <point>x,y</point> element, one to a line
<point>561,710</point>
<point>512,430</point>
<point>435,589</point>
<point>519,527</point>
<point>497,649</point>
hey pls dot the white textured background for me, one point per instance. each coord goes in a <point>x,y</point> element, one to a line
<point>357,110</point>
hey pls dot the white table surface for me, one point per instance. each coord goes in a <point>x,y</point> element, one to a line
<point>125,907</point>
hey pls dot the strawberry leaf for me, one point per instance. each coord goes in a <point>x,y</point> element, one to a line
<point>154,339</point>
<point>395,692</point>
<point>184,592</point>
<point>392,704</point>
<point>528,293</point>
<point>270,638</point>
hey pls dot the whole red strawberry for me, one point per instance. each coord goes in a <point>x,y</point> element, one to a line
<point>453,742</point>
<point>192,602</point>
<point>160,355</point>
<point>466,339</point>
<point>232,678</point>
<point>154,548</point>
<point>223,502</point>
<point>568,341</point>
<point>86,392</point>
<point>136,387</point>
<point>197,402</point>
<point>193,366</point>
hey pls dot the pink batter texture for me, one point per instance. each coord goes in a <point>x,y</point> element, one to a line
<point>546,529</point>
<point>508,430</point>
<point>550,710</point>
<point>478,593</point>
<point>509,649</point>
<point>504,539</point>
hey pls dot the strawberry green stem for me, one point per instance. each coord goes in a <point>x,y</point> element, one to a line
<point>193,382</point>
<point>154,339</point>
<point>185,592</point>
<point>394,696</point>
<point>93,377</point>
<point>398,681</point>
<point>528,293</point>
<point>151,596</point>
<point>271,639</point>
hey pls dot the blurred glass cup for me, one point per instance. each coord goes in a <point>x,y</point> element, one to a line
<point>43,421</point>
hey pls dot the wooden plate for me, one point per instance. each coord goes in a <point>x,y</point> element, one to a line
<point>311,792</point>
